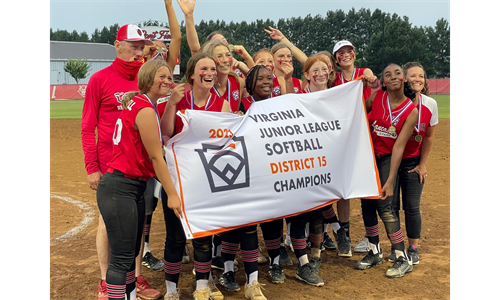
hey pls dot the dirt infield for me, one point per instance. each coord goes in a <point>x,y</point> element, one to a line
<point>74,271</point>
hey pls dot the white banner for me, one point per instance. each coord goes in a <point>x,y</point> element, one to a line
<point>286,155</point>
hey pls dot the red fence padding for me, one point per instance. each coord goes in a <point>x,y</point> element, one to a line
<point>67,91</point>
<point>77,91</point>
<point>436,86</point>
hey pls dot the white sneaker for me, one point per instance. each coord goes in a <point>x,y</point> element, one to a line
<point>363,246</point>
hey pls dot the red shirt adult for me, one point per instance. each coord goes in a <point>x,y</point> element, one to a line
<point>129,154</point>
<point>101,109</point>
<point>277,88</point>
<point>213,103</point>
<point>232,94</point>
<point>380,121</point>
<point>339,79</point>
<point>428,114</point>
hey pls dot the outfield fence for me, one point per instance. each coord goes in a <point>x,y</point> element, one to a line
<point>77,91</point>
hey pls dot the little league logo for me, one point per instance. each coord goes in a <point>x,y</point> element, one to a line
<point>277,90</point>
<point>226,166</point>
<point>236,95</point>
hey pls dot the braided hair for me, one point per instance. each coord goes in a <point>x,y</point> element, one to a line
<point>251,82</point>
<point>251,79</point>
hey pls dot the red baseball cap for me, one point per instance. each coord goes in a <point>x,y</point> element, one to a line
<point>132,33</point>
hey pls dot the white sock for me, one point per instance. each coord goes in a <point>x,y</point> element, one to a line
<point>303,260</point>
<point>228,266</point>
<point>325,227</point>
<point>253,276</point>
<point>146,249</point>
<point>201,284</point>
<point>171,287</point>
<point>133,295</point>
<point>218,251</point>
<point>374,248</point>
<point>335,226</point>
<point>307,229</point>
<point>276,260</point>
<point>315,252</point>
<point>400,253</point>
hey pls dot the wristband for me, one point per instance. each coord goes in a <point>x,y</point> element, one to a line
<point>291,45</point>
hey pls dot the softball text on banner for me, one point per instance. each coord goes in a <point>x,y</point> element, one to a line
<point>286,155</point>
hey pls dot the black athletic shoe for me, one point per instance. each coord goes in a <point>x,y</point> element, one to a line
<point>217,263</point>
<point>284,258</point>
<point>328,243</point>
<point>152,262</point>
<point>344,243</point>
<point>306,273</point>
<point>413,254</point>
<point>400,267</point>
<point>315,263</point>
<point>228,281</point>
<point>370,260</point>
<point>277,274</point>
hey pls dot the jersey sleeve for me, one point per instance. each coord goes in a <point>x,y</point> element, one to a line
<point>432,105</point>
<point>90,114</point>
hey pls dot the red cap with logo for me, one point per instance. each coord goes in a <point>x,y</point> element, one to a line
<point>132,33</point>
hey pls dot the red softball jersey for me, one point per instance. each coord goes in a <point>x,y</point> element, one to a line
<point>428,115</point>
<point>380,121</point>
<point>129,154</point>
<point>339,79</point>
<point>277,88</point>
<point>101,108</point>
<point>213,103</point>
<point>232,94</point>
<point>247,102</point>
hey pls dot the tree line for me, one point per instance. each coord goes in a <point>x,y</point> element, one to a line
<point>380,38</point>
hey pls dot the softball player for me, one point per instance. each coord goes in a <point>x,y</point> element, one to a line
<point>137,156</point>
<point>392,119</point>
<point>200,75</point>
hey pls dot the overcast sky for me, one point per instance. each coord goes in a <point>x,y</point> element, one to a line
<point>87,15</point>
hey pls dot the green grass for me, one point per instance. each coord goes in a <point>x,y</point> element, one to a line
<point>66,109</point>
<point>443,102</point>
<point>72,109</point>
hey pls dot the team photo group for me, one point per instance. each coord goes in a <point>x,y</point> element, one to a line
<point>243,148</point>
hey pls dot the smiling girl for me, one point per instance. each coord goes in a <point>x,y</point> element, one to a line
<point>137,157</point>
<point>393,116</point>
<point>345,55</point>
<point>227,84</point>
<point>413,171</point>
<point>200,75</point>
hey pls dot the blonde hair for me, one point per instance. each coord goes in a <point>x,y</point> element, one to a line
<point>279,46</point>
<point>145,79</point>
<point>209,49</point>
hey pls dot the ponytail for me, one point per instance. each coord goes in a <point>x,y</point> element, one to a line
<point>127,97</point>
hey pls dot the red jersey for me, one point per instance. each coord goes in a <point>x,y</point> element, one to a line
<point>247,102</point>
<point>428,116</point>
<point>129,154</point>
<point>339,79</point>
<point>380,120</point>
<point>213,103</point>
<point>101,108</point>
<point>232,94</point>
<point>277,89</point>
<point>238,72</point>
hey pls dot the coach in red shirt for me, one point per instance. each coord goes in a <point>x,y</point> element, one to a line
<point>101,109</point>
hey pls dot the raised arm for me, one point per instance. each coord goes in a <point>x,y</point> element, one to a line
<point>275,34</point>
<point>191,34</point>
<point>175,31</point>
<point>242,52</point>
